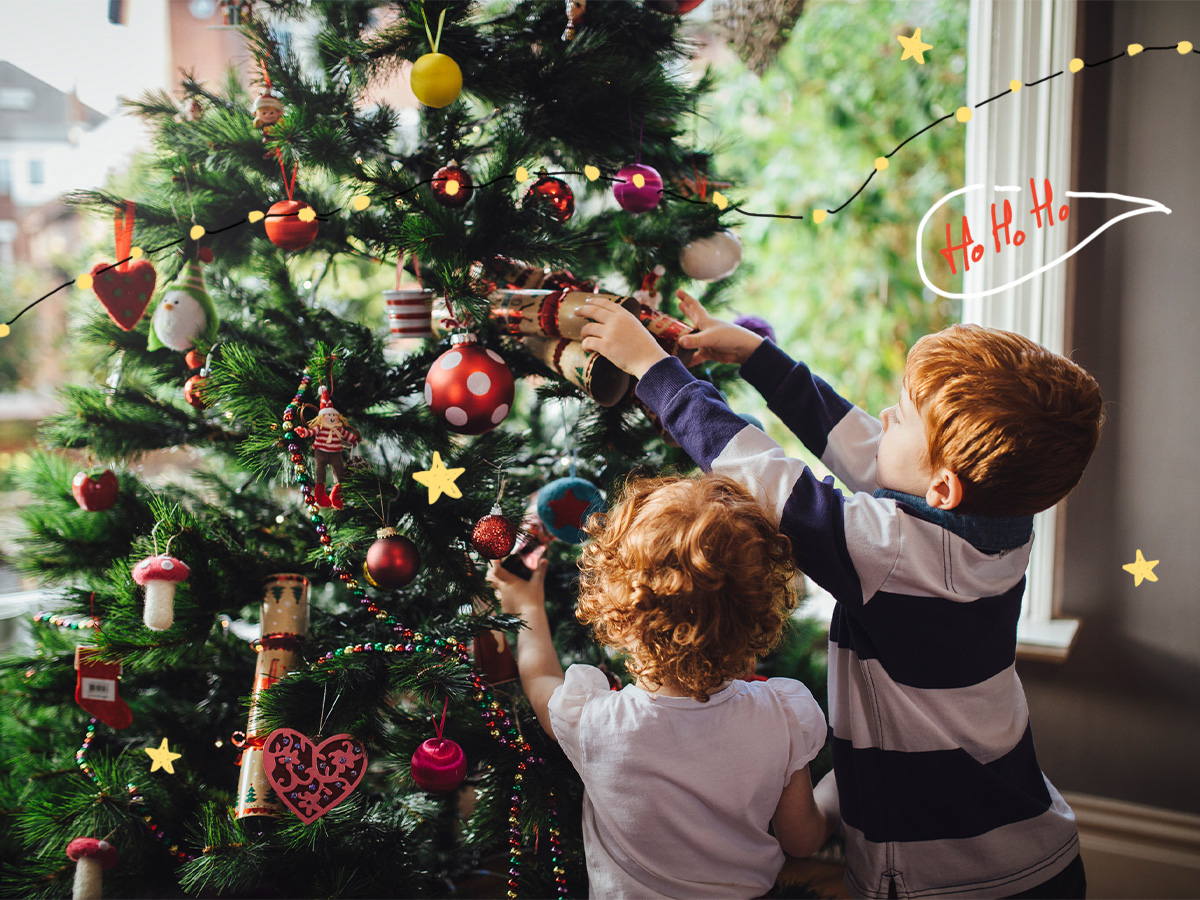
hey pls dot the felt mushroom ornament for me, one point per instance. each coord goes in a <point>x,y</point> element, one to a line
<point>91,857</point>
<point>159,575</point>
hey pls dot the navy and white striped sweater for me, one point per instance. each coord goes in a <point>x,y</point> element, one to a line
<point>941,792</point>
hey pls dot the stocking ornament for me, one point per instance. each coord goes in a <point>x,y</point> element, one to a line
<point>96,689</point>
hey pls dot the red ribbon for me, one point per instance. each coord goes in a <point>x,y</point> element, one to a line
<point>123,230</point>
<point>438,727</point>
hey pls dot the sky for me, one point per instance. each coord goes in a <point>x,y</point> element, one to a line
<point>70,43</point>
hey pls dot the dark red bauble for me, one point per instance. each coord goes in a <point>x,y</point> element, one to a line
<point>452,186</point>
<point>284,227</point>
<point>95,494</point>
<point>393,560</point>
<point>439,766</point>
<point>469,387</point>
<point>194,359</point>
<point>638,188</point>
<point>495,535</point>
<point>552,195</point>
<point>191,391</point>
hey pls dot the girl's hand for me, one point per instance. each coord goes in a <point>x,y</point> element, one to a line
<point>517,595</point>
<point>717,340</point>
<point>617,335</point>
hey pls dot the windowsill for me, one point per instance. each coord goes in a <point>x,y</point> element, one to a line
<point>1047,641</point>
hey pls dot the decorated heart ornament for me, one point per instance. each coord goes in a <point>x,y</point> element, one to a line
<point>311,779</point>
<point>125,293</point>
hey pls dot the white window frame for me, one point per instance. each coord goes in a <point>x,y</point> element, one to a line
<point>1010,140</point>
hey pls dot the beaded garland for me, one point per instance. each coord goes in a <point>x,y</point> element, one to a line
<point>502,728</point>
<point>135,796</point>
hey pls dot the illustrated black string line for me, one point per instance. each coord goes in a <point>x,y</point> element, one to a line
<point>611,179</point>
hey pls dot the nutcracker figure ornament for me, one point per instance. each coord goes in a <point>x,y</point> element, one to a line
<point>331,434</point>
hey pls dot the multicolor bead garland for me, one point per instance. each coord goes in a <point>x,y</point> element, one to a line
<point>135,796</point>
<point>60,622</point>
<point>500,726</point>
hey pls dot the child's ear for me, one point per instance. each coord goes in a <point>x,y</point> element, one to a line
<point>945,491</point>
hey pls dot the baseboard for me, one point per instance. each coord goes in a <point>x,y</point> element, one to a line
<point>1135,851</point>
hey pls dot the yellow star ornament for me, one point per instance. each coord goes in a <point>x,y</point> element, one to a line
<point>439,479</point>
<point>163,758</point>
<point>1141,569</point>
<point>913,47</point>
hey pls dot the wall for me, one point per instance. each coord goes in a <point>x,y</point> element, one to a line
<point>1121,718</point>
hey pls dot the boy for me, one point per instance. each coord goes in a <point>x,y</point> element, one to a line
<point>935,777</point>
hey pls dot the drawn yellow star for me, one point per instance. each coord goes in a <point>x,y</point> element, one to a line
<point>1141,568</point>
<point>439,479</point>
<point>163,757</point>
<point>913,47</point>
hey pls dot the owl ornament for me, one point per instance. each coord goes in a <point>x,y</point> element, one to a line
<point>185,313</point>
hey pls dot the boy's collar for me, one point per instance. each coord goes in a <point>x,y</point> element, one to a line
<point>988,534</point>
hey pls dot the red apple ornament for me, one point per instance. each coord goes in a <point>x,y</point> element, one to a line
<point>286,229</point>
<point>95,493</point>
<point>469,387</point>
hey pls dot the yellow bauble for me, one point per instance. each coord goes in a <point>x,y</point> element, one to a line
<point>436,79</point>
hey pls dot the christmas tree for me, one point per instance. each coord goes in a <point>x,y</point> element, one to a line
<point>276,668</point>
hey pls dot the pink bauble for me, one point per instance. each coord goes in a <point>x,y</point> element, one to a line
<point>469,387</point>
<point>638,194</point>
<point>439,766</point>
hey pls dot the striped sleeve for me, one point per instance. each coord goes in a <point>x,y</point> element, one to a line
<point>842,436</point>
<point>810,511</point>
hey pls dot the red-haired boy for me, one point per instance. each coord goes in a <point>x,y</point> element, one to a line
<point>936,782</point>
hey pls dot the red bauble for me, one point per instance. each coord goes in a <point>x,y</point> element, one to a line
<point>495,535</point>
<point>284,227</point>
<point>393,560</point>
<point>191,391</point>
<point>552,195</point>
<point>95,494</point>
<point>638,188</point>
<point>469,387</point>
<point>439,766</point>
<point>194,359</point>
<point>451,185</point>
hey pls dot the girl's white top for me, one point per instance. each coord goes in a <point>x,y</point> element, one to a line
<point>678,794</point>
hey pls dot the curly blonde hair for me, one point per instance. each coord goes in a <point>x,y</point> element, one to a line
<point>691,576</point>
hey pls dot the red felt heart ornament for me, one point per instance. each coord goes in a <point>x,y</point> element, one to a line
<point>95,493</point>
<point>125,293</point>
<point>312,779</point>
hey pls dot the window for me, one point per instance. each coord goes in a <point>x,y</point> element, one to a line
<point>1007,144</point>
<point>37,172</point>
<point>5,177</point>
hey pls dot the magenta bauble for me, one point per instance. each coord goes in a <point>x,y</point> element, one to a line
<point>469,387</point>
<point>638,188</point>
<point>393,560</point>
<point>439,766</point>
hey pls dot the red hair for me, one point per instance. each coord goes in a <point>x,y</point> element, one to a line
<point>1015,422</point>
<point>691,576</point>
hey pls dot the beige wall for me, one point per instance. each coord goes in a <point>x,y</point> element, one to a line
<point>1121,718</point>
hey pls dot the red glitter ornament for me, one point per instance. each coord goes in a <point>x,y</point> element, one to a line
<point>552,195</point>
<point>284,227</point>
<point>469,387</point>
<point>495,535</point>
<point>393,560</point>
<point>452,185</point>
<point>439,766</point>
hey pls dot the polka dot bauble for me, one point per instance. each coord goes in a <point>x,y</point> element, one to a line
<point>469,387</point>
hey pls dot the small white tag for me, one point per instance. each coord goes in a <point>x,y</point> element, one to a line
<point>98,689</point>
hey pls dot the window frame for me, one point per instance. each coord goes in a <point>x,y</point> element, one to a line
<point>1009,141</point>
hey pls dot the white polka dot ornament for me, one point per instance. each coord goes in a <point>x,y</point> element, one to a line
<point>469,387</point>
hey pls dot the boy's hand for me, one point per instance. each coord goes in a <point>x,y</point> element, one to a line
<point>617,335</point>
<point>517,595</point>
<point>717,340</point>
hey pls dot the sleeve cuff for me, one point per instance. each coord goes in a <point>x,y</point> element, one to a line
<point>662,381</point>
<point>766,368</point>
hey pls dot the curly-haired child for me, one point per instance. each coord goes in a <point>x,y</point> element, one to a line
<point>935,775</point>
<point>685,770</point>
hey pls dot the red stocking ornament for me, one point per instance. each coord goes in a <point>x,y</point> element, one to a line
<point>96,689</point>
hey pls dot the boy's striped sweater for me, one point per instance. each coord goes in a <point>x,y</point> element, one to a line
<point>941,793</point>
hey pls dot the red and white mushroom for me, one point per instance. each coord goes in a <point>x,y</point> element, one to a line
<point>159,575</point>
<point>91,857</point>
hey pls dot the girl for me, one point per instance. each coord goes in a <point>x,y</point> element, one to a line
<point>685,769</point>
